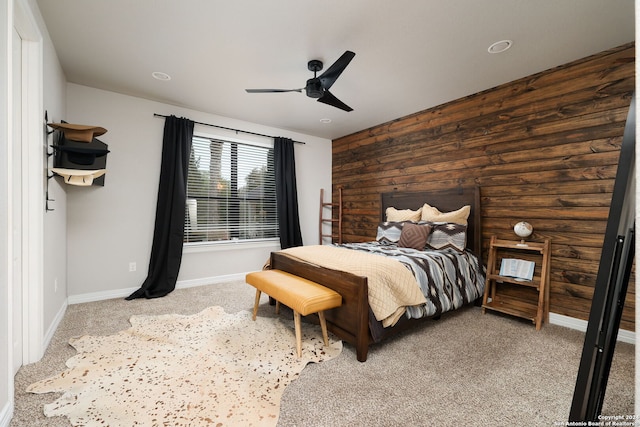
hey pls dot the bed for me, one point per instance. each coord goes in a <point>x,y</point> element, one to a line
<point>355,321</point>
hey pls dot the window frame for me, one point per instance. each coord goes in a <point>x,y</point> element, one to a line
<point>233,243</point>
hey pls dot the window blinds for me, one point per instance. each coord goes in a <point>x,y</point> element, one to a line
<point>230,192</point>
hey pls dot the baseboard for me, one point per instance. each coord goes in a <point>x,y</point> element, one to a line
<point>6,414</point>
<point>48,336</point>
<point>100,296</point>
<point>210,280</point>
<point>581,325</point>
<point>181,284</point>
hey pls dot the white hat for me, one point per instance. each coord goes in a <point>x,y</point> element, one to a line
<point>79,177</point>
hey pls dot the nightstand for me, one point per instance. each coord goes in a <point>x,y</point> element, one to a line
<point>534,309</point>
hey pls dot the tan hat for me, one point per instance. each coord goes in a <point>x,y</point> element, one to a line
<point>82,133</point>
<point>79,177</point>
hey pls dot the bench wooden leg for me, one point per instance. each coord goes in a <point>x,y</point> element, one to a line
<point>277,307</point>
<point>323,325</point>
<point>296,321</point>
<point>255,305</point>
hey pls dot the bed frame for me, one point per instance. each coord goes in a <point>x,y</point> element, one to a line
<point>354,321</point>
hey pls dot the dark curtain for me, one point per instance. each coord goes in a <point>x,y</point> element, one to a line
<point>168,234</point>
<point>286,193</point>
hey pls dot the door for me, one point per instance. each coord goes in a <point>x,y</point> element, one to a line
<point>16,207</point>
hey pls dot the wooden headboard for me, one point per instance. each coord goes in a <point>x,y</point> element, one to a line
<point>445,201</point>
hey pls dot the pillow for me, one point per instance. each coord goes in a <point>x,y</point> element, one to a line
<point>394,214</point>
<point>429,213</point>
<point>414,236</point>
<point>447,236</point>
<point>389,232</point>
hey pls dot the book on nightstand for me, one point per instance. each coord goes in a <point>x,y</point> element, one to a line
<point>517,268</point>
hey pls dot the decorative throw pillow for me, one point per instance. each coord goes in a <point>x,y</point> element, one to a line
<point>389,232</point>
<point>447,236</point>
<point>414,236</point>
<point>394,214</point>
<point>460,216</point>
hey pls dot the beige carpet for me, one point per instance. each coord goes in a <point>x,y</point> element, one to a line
<point>466,369</point>
<point>211,368</point>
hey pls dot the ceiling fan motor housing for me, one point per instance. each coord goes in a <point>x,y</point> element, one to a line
<point>314,88</point>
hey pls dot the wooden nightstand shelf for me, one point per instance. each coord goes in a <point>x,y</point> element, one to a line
<point>535,310</point>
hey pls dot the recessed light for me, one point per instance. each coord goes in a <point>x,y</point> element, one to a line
<point>325,120</point>
<point>500,46</point>
<point>159,75</point>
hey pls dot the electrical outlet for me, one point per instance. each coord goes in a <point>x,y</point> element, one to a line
<point>132,266</point>
<point>55,285</point>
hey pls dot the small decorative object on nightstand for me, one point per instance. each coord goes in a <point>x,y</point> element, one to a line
<point>523,230</point>
<point>518,303</point>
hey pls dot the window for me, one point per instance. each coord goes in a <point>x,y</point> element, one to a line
<point>231,192</point>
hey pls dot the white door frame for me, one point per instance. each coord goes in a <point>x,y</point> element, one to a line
<point>33,181</point>
<point>14,191</point>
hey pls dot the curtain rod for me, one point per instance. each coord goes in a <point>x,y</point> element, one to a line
<point>231,129</point>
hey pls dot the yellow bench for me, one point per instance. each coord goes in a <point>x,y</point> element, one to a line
<point>301,295</point>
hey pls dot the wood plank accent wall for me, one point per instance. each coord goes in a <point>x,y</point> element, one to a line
<point>543,149</point>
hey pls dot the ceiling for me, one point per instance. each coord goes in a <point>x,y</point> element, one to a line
<point>410,54</point>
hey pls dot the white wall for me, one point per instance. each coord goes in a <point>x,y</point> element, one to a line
<point>55,221</point>
<point>109,227</point>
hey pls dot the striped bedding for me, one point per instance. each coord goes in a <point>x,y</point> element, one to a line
<point>448,279</point>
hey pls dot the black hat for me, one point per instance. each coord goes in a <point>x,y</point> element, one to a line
<point>82,155</point>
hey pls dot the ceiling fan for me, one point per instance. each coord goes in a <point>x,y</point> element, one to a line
<point>318,86</point>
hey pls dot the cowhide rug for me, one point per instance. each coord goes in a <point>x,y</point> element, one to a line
<point>208,369</point>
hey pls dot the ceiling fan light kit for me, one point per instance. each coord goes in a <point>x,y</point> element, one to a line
<point>318,86</point>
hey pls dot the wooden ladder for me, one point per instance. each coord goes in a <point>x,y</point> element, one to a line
<point>328,206</point>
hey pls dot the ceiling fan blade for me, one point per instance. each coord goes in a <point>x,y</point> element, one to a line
<point>272,90</point>
<point>328,78</point>
<point>329,99</point>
